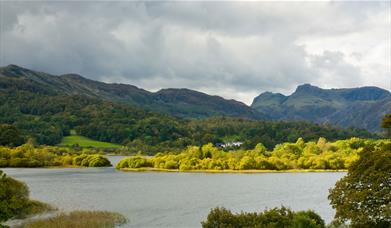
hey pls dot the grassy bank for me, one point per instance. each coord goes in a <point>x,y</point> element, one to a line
<point>79,219</point>
<point>146,169</point>
<point>34,207</point>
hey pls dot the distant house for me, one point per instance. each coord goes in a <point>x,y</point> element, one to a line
<point>221,145</point>
<point>229,144</point>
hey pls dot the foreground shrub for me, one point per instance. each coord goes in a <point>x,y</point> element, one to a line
<point>273,218</point>
<point>14,200</point>
<point>80,219</point>
<point>13,197</point>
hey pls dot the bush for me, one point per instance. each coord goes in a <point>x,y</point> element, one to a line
<point>14,200</point>
<point>276,217</point>
<point>13,197</point>
<point>93,160</point>
<point>170,164</point>
<point>134,162</point>
<point>99,161</point>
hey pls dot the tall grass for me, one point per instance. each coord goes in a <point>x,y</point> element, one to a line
<point>80,219</point>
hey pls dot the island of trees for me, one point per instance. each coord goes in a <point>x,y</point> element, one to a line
<point>316,155</point>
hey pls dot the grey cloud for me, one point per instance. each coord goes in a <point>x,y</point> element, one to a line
<point>229,48</point>
<point>336,69</point>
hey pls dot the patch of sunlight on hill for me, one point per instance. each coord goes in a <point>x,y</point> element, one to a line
<point>85,142</point>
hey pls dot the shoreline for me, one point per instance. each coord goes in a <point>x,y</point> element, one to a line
<point>57,167</point>
<point>250,171</point>
<point>232,171</point>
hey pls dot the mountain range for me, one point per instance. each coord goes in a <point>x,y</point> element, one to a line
<point>177,102</point>
<point>355,107</point>
<point>362,107</point>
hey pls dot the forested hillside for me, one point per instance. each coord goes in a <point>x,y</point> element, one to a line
<point>48,118</point>
<point>176,102</point>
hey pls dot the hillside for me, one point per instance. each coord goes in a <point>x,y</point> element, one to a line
<point>356,107</point>
<point>46,108</point>
<point>176,102</point>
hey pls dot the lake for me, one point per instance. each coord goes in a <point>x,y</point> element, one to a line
<point>153,199</point>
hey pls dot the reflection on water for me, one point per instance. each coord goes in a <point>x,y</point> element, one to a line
<point>150,199</point>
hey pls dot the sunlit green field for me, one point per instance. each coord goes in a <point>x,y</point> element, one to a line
<point>86,142</point>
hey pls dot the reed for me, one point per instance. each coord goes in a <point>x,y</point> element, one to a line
<point>80,219</point>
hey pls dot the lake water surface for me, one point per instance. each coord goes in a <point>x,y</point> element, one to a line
<point>152,199</point>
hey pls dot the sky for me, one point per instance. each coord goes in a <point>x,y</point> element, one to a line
<point>236,50</point>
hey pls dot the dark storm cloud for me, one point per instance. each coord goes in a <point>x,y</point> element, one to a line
<point>231,49</point>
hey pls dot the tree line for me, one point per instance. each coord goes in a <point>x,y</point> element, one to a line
<point>28,155</point>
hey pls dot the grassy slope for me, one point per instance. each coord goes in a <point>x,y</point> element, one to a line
<point>82,141</point>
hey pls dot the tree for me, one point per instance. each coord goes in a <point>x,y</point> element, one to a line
<point>10,136</point>
<point>13,197</point>
<point>386,124</point>
<point>363,196</point>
